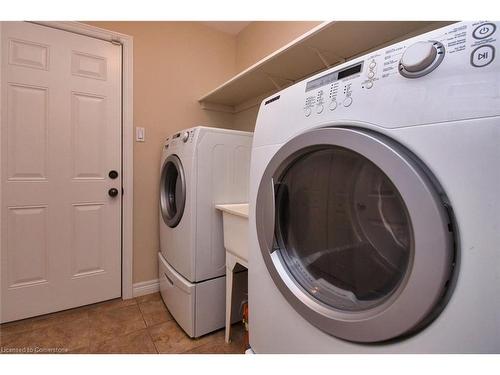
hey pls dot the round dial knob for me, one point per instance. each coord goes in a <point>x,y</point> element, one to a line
<point>185,137</point>
<point>421,58</point>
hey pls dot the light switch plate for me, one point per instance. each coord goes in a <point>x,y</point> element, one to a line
<point>140,134</point>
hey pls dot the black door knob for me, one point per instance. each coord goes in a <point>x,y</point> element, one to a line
<point>113,192</point>
<point>113,174</point>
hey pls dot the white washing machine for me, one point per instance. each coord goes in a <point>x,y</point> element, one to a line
<point>200,167</point>
<point>374,220</point>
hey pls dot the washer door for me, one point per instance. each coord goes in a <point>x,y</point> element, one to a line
<point>172,191</point>
<point>354,234</point>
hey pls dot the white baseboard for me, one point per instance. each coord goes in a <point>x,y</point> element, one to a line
<point>146,287</point>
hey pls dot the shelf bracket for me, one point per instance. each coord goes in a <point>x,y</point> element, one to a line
<point>208,106</point>
<point>323,58</point>
<point>274,81</point>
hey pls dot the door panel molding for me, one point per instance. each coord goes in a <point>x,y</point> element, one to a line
<point>86,239</point>
<point>88,66</point>
<point>87,144</point>
<point>20,272</point>
<point>30,163</point>
<point>31,49</point>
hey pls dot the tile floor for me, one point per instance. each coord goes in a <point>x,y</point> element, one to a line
<point>139,325</point>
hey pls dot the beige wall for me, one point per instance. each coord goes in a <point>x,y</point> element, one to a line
<point>175,63</point>
<point>260,39</point>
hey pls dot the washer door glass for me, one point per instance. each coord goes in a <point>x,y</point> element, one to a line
<point>342,228</point>
<point>172,191</point>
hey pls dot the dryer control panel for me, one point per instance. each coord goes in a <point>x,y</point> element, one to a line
<point>447,74</point>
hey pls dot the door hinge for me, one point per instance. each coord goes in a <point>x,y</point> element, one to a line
<point>116,42</point>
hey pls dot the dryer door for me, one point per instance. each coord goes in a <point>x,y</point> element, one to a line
<point>354,234</point>
<point>172,191</point>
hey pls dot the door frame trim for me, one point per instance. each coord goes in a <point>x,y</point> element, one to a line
<point>127,135</point>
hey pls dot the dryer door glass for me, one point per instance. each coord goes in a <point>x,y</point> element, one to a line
<point>172,191</point>
<point>342,228</point>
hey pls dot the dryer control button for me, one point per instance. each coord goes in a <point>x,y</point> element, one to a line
<point>369,85</point>
<point>371,74</point>
<point>319,108</point>
<point>333,105</point>
<point>372,65</point>
<point>482,56</point>
<point>307,111</point>
<point>347,101</point>
<point>483,31</point>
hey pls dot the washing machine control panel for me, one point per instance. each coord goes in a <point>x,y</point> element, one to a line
<point>179,138</point>
<point>456,64</point>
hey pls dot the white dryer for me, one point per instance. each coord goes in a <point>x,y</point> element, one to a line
<point>200,168</point>
<point>374,220</point>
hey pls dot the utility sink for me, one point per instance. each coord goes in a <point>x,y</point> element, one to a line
<point>235,224</point>
<point>235,228</point>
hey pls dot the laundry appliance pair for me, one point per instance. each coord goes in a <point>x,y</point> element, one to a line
<point>200,168</point>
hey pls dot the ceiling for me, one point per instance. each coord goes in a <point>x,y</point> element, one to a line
<point>228,27</point>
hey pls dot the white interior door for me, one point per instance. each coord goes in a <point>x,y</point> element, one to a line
<point>60,137</point>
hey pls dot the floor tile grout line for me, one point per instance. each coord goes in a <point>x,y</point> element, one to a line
<point>147,328</point>
<point>151,338</point>
<point>154,343</point>
<point>99,342</point>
